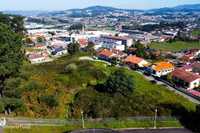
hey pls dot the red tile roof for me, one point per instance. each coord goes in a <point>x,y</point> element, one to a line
<point>83,42</point>
<point>133,59</point>
<point>105,52</point>
<point>186,76</point>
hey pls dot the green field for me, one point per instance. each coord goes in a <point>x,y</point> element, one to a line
<point>113,124</point>
<point>196,32</point>
<point>175,46</point>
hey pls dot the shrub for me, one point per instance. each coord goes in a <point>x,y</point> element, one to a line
<point>12,88</point>
<point>70,68</point>
<point>34,85</point>
<point>50,101</point>
<point>2,107</point>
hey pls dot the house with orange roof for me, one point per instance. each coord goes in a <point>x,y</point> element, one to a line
<point>162,68</point>
<point>105,54</point>
<point>134,62</point>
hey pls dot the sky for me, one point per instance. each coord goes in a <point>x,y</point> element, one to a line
<point>69,4</point>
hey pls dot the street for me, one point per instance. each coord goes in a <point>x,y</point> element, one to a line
<point>171,130</point>
<point>156,131</point>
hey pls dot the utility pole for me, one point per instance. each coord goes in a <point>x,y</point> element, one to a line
<point>82,117</point>
<point>155,118</point>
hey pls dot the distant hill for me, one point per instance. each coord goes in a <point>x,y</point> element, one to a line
<point>181,8</point>
<point>25,13</point>
<point>102,10</point>
<point>91,11</point>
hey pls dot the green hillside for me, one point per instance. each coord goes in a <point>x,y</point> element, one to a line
<point>47,90</point>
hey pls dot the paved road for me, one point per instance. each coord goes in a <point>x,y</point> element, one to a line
<point>175,130</point>
<point>156,131</point>
<point>150,78</point>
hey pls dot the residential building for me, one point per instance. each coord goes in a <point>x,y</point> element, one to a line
<point>105,54</point>
<point>118,39</point>
<point>36,58</point>
<point>185,79</point>
<point>134,62</point>
<point>162,68</point>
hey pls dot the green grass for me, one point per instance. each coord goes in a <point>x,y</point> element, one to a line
<point>36,129</point>
<point>159,93</point>
<point>175,46</point>
<point>196,32</point>
<point>113,124</point>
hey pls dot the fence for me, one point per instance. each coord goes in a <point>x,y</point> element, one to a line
<point>60,122</point>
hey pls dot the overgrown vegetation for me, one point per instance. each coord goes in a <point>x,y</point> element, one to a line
<point>142,101</point>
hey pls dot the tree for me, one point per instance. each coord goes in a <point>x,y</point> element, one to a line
<point>12,88</point>
<point>16,23</point>
<point>73,48</point>
<point>140,50</point>
<point>28,40</point>
<point>90,48</point>
<point>119,82</point>
<point>40,39</point>
<point>77,26</point>
<point>11,55</point>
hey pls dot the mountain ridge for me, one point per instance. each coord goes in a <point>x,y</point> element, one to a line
<point>99,10</point>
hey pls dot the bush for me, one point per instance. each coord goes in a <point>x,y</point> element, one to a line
<point>2,107</point>
<point>50,101</point>
<point>12,88</point>
<point>70,68</point>
<point>34,85</point>
<point>13,104</point>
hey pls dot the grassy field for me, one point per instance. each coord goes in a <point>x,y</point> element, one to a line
<point>196,32</point>
<point>113,124</point>
<point>175,46</point>
<point>159,93</point>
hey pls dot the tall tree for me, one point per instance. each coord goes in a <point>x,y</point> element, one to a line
<point>119,82</point>
<point>73,48</point>
<point>11,55</point>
